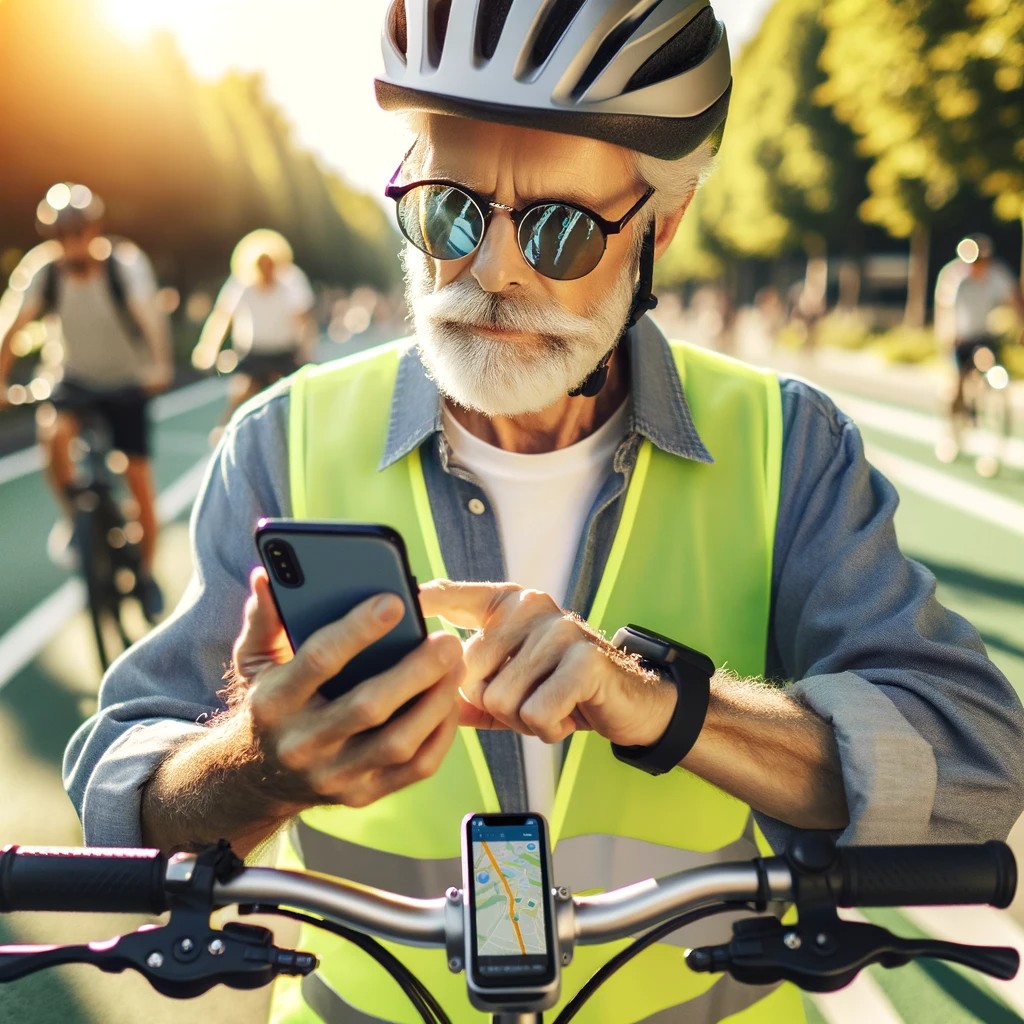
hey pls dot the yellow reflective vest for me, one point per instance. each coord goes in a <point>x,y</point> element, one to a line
<point>692,558</point>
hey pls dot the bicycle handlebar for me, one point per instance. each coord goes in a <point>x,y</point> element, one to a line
<point>87,880</point>
<point>136,881</point>
<point>887,876</point>
<point>820,952</point>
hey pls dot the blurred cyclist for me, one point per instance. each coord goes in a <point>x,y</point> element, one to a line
<point>116,351</point>
<point>967,291</point>
<point>266,301</point>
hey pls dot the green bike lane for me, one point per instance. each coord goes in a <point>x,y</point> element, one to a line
<point>969,532</point>
<point>46,699</point>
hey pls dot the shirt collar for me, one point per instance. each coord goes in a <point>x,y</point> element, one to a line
<point>659,412</point>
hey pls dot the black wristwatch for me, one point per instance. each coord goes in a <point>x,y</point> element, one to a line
<point>691,672</point>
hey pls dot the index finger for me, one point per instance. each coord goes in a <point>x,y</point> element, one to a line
<point>469,605</point>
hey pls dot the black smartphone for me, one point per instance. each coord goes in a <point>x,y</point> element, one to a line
<point>320,570</point>
<point>512,959</point>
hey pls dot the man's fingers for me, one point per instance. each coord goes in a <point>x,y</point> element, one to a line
<point>476,718</point>
<point>463,604</point>
<point>331,648</point>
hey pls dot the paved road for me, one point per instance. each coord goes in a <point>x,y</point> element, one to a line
<point>969,531</point>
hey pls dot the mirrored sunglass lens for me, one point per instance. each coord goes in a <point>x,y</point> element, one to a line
<point>560,241</point>
<point>441,220</point>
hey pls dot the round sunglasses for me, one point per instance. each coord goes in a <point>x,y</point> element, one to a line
<point>559,239</point>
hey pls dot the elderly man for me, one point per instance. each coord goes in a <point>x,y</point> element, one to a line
<point>539,429</point>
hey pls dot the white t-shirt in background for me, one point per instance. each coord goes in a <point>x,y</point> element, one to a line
<point>265,320</point>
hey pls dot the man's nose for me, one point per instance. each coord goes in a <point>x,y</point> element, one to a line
<point>498,265</point>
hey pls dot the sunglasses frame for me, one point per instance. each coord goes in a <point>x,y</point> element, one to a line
<point>486,204</point>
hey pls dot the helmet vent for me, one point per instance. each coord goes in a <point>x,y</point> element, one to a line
<point>684,51</point>
<point>490,22</point>
<point>559,18</point>
<point>608,50</point>
<point>398,27</point>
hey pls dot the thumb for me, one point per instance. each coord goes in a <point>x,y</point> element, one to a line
<point>263,639</point>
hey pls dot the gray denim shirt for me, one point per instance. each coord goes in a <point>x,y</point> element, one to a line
<point>930,734</point>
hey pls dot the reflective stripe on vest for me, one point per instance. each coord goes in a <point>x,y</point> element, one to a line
<point>691,559</point>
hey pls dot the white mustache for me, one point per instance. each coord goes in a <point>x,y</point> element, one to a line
<point>464,304</point>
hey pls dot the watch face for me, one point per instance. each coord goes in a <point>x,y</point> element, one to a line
<point>661,650</point>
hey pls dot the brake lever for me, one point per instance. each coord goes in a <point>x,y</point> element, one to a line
<point>186,956</point>
<point>180,966</point>
<point>764,950</point>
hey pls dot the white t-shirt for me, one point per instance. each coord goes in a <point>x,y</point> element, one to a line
<point>972,298</point>
<point>541,503</point>
<point>265,320</point>
<point>101,348</point>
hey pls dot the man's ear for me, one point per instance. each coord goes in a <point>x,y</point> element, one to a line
<point>667,226</point>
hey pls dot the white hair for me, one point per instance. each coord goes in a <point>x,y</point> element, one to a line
<point>674,181</point>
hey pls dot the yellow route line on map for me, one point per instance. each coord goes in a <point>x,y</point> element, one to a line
<point>511,898</point>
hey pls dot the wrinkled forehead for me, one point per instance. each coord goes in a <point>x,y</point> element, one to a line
<point>530,162</point>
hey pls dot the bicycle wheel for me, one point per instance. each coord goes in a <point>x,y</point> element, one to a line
<point>993,424</point>
<point>97,520</point>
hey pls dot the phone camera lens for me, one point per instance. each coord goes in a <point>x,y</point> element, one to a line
<point>284,564</point>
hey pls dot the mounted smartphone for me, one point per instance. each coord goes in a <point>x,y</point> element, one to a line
<point>320,570</point>
<point>512,959</point>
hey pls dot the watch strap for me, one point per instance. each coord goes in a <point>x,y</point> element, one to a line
<point>690,672</point>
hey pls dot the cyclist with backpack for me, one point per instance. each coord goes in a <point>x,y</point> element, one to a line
<point>542,443</point>
<point>116,352</point>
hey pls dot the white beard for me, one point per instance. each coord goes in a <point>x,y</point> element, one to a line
<point>507,379</point>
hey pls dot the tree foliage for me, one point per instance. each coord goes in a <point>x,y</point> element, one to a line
<point>186,166</point>
<point>933,90</point>
<point>788,175</point>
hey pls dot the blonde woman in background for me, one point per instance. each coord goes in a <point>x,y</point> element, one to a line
<point>266,302</point>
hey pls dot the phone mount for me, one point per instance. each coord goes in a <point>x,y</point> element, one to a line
<point>186,956</point>
<point>821,952</point>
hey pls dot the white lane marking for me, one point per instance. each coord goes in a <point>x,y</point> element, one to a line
<point>27,637</point>
<point>193,396</point>
<point>919,426</point>
<point>180,494</point>
<point>30,634</point>
<point>177,403</point>
<point>19,464</point>
<point>965,497</point>
<point>978,926</point>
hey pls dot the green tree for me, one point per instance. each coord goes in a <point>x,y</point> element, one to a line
<point>932,89</point>
<point>186,167</point>
<point>788,179</point>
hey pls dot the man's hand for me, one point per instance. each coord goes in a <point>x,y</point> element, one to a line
<point>345,751</point>
<point>539,670</point>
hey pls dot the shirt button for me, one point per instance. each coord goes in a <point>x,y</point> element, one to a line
<point>476,506</point>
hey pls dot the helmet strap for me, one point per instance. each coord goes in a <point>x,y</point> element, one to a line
<point>643,302</point>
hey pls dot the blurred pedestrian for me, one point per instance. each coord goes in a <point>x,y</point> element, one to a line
<point>968,290</point>
<point>116,353</point>
<point>267,302</point>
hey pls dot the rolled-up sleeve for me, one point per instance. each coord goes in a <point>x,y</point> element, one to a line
<point>930,733</point>
<point>166,687</point>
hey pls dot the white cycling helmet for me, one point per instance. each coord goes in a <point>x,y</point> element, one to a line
<point>67,207</point>
<point>649,75</point>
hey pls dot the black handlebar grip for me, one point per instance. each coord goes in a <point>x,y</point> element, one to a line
<point>82,879</point>
<point>891,876</point>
